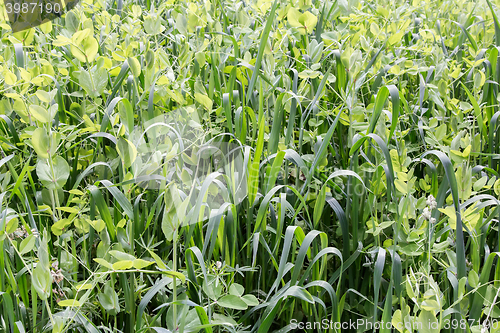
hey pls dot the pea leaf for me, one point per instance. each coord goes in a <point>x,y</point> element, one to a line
<point>232,302</point>
<point>58,227</point>
<point>135,66</point>
<point>40,114</point>
<point>42,281</point>
<point>53,173</point>
<point>428,322</point>
<point>236,289</point>
<point>121,255</point>
<point>95,85</point>
<point>305,22</point>
<point>127,151</point>
<point>140,263</point>
<point>40,142</point>
<point>86,49</point>
<point>27,244</point>
<point>69,302</point>
<point>109,300</point>
<point>103,263</point>
<point>473,279</point>
<point>251,300</point>
<point>98,225</point>
<point>122,264</point>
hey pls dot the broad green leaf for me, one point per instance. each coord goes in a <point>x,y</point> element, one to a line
<point>71,210</point>
<point>175,274</point>
<point>42,281</point>
<point>94,82</point>
<point>41,142</point>
<point>470,216</point>
<point>69,302</point>
<point>98,225</point>
<point>103,263</point>
<point>121,255</point>
<point>12,225</point>
<point>496,187</point>
<point>84,49</point>
<point>109,300</point>
<point>127,151</point>
<point>394,38</point>
<point>122,264</point>
<point>397,321</point>
<point>83,286</point>
<point>140,263</point>
<point>200,58</point>
<point>40,113</point>
<point>10,78</point>
<point>126,113</point>
<point>236,289</point>
<point>304,21</point>
<point>59,227</point>
<point>430,305</point>
<point>152,25</point>
<point>427,322</point>
<point>232,302</point>
<point>213,290</point>
<point>473,279</point>
<point>135,66</point>
<point>463,154</point>
<point>43,96</point>
<point>203,100</point>
<point>27,244</point>
<point>53,173</point>
<point>251,300</point>
<point>61,41</point>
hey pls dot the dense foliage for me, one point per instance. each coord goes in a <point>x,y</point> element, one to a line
<point>237,166</point>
